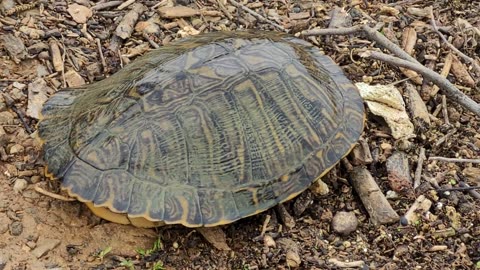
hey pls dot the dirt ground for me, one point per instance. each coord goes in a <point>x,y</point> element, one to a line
<point>48,45</point>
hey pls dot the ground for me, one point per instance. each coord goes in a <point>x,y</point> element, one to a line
<point>48,45</point>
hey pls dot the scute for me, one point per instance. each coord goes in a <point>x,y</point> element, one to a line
<point>204,131</point>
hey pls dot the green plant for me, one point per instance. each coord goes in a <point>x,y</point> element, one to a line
<point>128,264</point>
<point>147,252</point>
<point>158,266</point>
<point>104,253</point>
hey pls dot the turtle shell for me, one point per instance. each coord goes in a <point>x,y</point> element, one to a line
<point>204,131</point>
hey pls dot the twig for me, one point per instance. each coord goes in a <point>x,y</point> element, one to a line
<point>444,110</point>
<point>450,90</point>
<point>408,61</point>
<point>102,58</point>
<point>472,192</point>
<point>444,138</point>
<point>11,104</point>
<point>256,15</point>
<point>107,5</point>
<point>52,195</point>
<point>418,171</point>
<point>265,225</point>
<point>462,188</point>
<point>457,51</point>
<point>151,41</point>
<point>455,160</point>
<point>224,9</point>
<point>333,31</point>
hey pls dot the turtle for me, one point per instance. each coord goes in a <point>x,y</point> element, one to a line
<point>203,131</point>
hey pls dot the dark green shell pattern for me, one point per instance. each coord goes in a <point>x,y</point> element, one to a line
<point>204,131</point>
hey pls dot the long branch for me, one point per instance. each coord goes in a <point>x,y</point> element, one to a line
<point>404,60</point>
<point>449,89</point>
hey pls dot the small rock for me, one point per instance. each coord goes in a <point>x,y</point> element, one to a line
<point>319,187</point>
<point>148,27</point>
<point>17,94</point>
<point>79,13</point>
<point>6,5</point>
<point>268,241</point>
<point>4,258</point>
<point>16,228</point>
<point>472,174</point>
<point>44,246</point>
<point>392,195</point>
<point>20,185</point>
<point>35,179</point>
<point>400,251</point>
<point>73,79</point>
<point>454,217</point>
<point>16,149</point>
<point>18,85</point>
<point>37,95</point>
<point>293,259</point>
<point>31,244</point>
<point>344,223</point>
<point>4,223</point>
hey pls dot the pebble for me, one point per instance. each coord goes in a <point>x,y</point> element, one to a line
<point>293,259</point>
<point>344,223</point>
<point>268,241</point>
<point>6,118</point>
<point>4,258</point>
<point>4,223</point>
<point>17,94</point>
<point>20,185</point>
<point>44,246</point>
<point>16,228</point>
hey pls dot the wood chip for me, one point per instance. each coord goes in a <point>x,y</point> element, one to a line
<point>37,95</point>
<point>79,13</point>
<point>409,40</point>
<point>299,15</point>
<point>126,26</point>
<point>461,73</point>
<point>177,12</point>
<point>380,211</point>
<point>420,206</point>
<point>73,79</point>
<point>417,108</point>
<point>286,218</point>
<point>444,73</point>
<point>14,47</point>
<point>215,236</point>
<point>44,246</point>
<point>56,55</point>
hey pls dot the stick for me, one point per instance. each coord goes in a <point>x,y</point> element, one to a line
<point>450,90</point>
<point>444,110</point>
<point>378,207</point>
<point>472,192</point>
<point>102,58</point>
<point>52,195</point>
<point>418,171</point>
<point>408,61</point>
<point>455,160</point>
<point>256,15</point>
